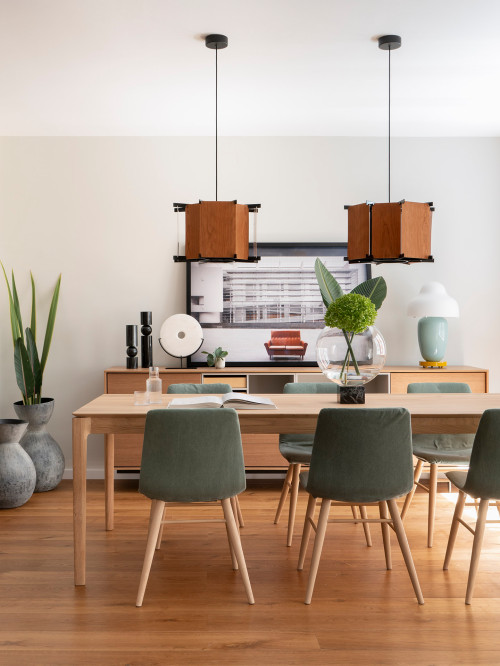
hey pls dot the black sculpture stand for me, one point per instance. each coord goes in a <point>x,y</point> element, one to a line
<point>352,395</point>
<point>146,340</point>
<point>131,341</point>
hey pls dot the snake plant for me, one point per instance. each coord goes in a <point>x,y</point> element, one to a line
<point>28,364</point>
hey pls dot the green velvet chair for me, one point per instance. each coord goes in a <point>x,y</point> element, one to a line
<point>437,450</point>
<point>360,457</point>
<point>481,481</point>
<point>192,455</point>
<point>297,449</point>
<point>199,388</point>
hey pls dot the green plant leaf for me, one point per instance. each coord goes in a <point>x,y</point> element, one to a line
<point>33,307</point>
<point>224,354</point>
<point>218,352</point>
<point>375,289</point>
<point>50,324</point>
<point>24,373</point>
<point>35,362</point>
<point>14,324</point>
<point>17,308</point>
<point>328,285</point>
<point>210,359</point>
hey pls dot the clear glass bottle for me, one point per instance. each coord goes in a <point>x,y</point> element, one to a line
<point>153,386</point>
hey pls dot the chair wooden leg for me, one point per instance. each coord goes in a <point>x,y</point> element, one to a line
<point>432,503</point>
<point>386,534</point>
<point>476,548</point>
<point>237,511</point>
<point>416,479</point>
<point>459,508</point>
<point>405,548</point>
<point>241,522</point>
<point>311,505</point>
<point>156,515</point>
<point>354,512</point>
<point>234,561</point>
<point>160,533</point>
<point>234,535</point>
<point>293,502</point>
<point>366,526</point>
<point>318,547</point>
<point>284,494</point>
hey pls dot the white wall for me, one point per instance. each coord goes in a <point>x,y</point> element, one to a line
<point>99,210</point>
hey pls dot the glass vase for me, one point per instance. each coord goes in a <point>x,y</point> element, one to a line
<point>350,359</point>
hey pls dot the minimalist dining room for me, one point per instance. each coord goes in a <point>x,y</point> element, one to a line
<point>249,370</point>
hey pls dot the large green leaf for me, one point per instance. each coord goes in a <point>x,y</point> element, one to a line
<point>33,307</point>
<point>17,308</point>
<point>14,324</point>
<point>50,324</point>
<point>35,362</point>
<point>328,285</point>
<point>375,289</point>
<point>24,373</point>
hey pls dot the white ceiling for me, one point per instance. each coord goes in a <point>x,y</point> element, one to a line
<point>293,67</point>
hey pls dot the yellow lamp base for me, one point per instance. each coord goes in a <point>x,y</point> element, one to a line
<point>433,364</point>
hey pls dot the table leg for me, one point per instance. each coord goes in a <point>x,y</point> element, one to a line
<point>81,430</point>
<point>109,479</point>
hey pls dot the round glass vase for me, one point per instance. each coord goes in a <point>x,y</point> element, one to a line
<point>349,359</point>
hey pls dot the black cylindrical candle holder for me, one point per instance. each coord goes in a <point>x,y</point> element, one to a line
<point>146,340</point>
<point>131,341</point>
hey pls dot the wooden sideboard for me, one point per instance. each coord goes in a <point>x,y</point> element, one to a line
<point>261,451</point>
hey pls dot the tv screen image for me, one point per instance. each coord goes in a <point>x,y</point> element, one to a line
<point>270,312</point>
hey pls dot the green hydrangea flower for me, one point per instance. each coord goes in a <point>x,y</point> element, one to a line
<point>351,312</point>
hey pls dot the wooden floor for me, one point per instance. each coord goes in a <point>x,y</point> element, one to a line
<point>195,611</point>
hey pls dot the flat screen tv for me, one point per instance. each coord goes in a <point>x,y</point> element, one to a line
<point>270,312</point>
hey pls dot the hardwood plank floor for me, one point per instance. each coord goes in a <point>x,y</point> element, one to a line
<point>195,610</point>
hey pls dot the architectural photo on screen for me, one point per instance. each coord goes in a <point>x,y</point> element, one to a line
<point>269,312</point>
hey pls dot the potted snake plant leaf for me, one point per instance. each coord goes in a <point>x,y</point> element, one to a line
<point>29,367</point>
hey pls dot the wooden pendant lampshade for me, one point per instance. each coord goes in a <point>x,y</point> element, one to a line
<point>394,232</point>
<point>217,230</point>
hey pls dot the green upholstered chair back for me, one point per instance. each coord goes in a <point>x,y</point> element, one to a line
<point>192,455</point>
<point>199,388</point>
<point>483,477</point>
<point>361,455</point>
<point>311,387</point>
<point>439,387</point>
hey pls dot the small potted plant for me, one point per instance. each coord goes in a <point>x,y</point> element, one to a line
<point>216,358</point>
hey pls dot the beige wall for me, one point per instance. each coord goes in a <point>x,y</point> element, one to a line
<point>99,210</point>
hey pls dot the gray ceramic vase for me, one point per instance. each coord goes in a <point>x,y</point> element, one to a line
<point>17,472</point>
<point>41,447</point>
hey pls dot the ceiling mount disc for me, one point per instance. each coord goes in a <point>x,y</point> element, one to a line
<point>389,42</point>
<point>216,41</point>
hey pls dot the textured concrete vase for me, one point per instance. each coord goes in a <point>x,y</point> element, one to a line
<point>17,472</point>
<point>41,447</point>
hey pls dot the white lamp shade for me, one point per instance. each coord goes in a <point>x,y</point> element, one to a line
<point>433,301</point>
<point>181,335</point>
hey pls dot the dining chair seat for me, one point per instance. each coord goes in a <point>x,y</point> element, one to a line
<point>296,448</point>
<point>443,449</point>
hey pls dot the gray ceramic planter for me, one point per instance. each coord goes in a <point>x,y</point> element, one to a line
<point>41,447</point>
<point>17,472</point>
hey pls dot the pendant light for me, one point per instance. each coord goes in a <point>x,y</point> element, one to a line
<point>397,232</point>
<point>217,230</point>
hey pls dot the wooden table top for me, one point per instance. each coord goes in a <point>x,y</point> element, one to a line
<point>297,413</point>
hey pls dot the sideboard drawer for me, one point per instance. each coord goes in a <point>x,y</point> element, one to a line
<point>476,380</point>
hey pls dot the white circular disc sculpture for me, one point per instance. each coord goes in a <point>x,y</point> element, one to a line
<point>181,335</point>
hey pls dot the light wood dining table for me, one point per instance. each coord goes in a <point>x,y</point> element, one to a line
<point>111,414</point>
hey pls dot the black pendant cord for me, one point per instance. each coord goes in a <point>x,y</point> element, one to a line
<point>216,131</point>
<point>389,161</point>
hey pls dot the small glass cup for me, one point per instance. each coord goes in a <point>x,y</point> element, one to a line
<point>141,398</point>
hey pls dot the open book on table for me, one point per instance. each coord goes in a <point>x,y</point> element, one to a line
<point>235,400</point>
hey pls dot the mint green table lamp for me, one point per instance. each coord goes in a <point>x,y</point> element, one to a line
<point>434,306</point>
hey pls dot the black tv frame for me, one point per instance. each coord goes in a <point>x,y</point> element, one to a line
<point>266,246</point>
